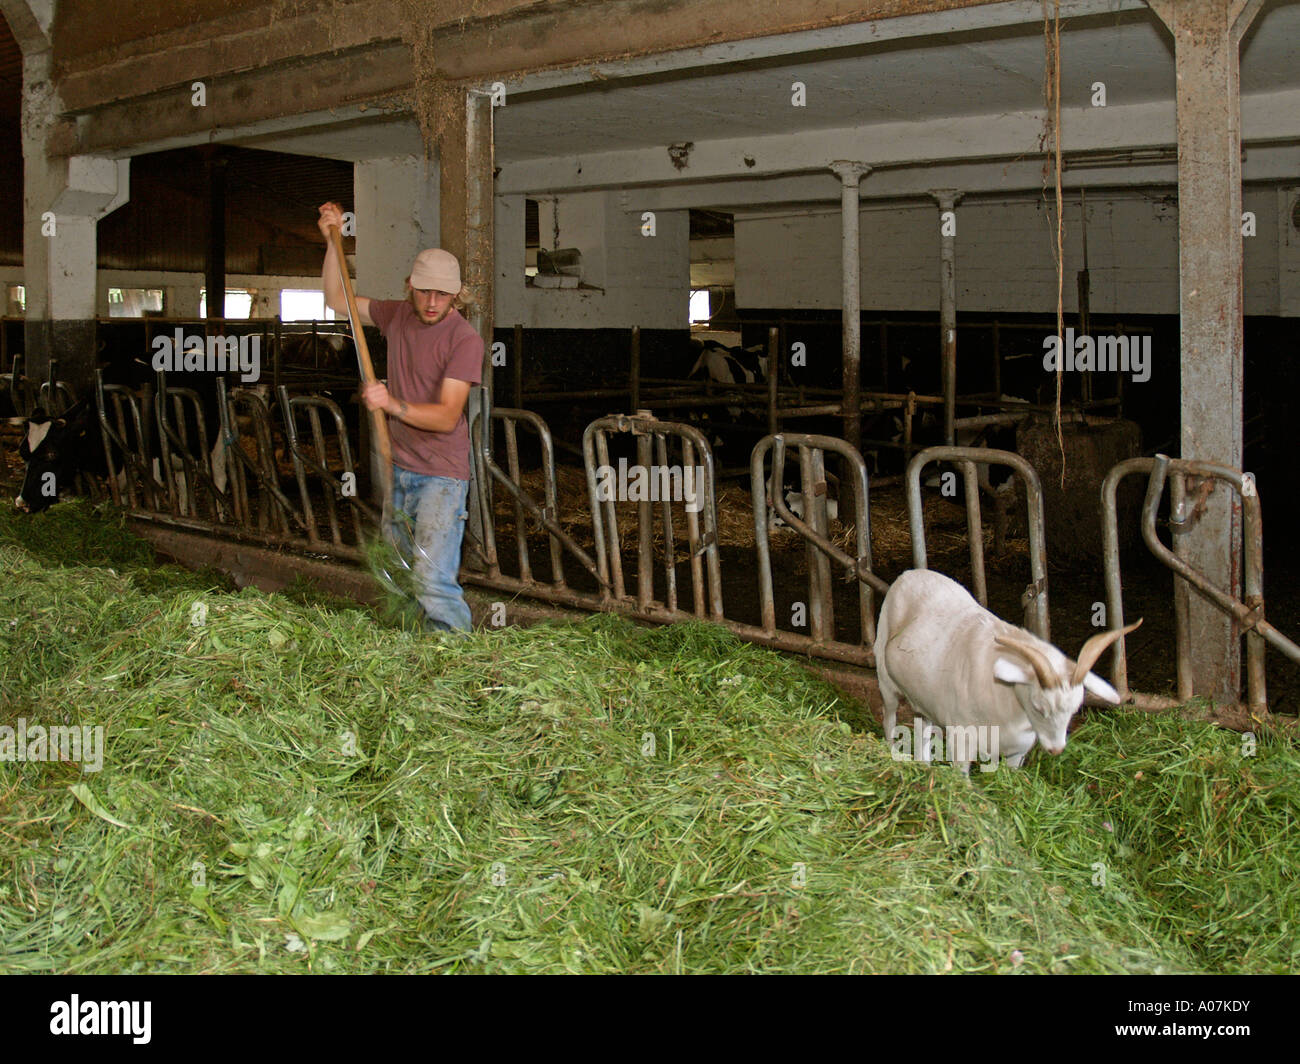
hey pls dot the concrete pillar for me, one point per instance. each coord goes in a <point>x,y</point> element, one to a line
<point>947,199</point>
<point>466,183</point>
<point>63,200</point>
<point>850,174</point>
<point>466,178</point>
<point>1207,38</point>
<point>214,263</point>
<point>183,301</point>
<point>396,204</point>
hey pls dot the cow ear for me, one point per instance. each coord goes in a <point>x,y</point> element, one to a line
<point>1008,671</point>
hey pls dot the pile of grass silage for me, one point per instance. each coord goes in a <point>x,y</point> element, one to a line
<point>289,786</point>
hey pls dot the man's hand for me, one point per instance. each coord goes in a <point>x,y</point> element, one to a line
<point>331,214</point>
<point>375,396</point>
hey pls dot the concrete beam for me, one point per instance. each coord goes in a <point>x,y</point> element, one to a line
<point>631,36</point>
<point>30,21</point>
<point>1266,117</point>
<point>1207,37</point>
<point>379,77</point>
<point>217,49</point>
<point>1267,163</point>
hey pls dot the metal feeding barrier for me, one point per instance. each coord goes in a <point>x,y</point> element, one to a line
<point>768,497</point>
<point>546,513</point>
<point>51,395</point>
<point>55,396</point>
<point>253,507</point>
<point>336,485</point>
<point>1248,614</point>
<point>245,414</point>
<point>1034,599</point>
<point>125,422</point>
<point>256,508</point>
<point>656,443</point>
<point>695,475</point>
<point>185,448</point>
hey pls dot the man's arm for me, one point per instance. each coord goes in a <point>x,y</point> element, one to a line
<point>431,417</point>
<point>331,214</point>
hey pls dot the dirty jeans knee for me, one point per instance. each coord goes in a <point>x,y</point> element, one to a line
<point>429,522</point>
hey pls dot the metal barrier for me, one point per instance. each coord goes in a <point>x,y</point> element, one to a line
<point>185,452</point>
<point>768,496</point>
<point>546,513</point>
<point>274,509</point>
<point>651,437</point>
<point>1248,614</point>
<point>316,462</point>
<point>52,395</point>
<point>55,396</point>
<point>1034,599</point>
<point>125,428</point>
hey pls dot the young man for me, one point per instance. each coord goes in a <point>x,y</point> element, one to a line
<point>434,358</point>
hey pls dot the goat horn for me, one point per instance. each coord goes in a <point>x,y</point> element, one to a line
<point>1095,648</point>
<point>1047,675</point>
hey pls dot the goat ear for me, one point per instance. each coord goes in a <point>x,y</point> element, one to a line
<point>1008,671</point>
<point>1099,687</point>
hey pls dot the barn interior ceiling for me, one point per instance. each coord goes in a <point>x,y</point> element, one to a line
<point>695,99</point>
<point>985,73</point>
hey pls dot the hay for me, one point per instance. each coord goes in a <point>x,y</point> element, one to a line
<point>293,787</point>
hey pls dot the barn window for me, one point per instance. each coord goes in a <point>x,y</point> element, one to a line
<point>239,303</point>
<point>134,302</point>
<point>304,304</point>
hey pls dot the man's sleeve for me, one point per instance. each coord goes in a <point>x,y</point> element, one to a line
<point>382,312</point>
<point>466,362</point>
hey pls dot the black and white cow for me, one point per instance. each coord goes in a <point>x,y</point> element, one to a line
<point>730,365</point>
<point>55,450</point>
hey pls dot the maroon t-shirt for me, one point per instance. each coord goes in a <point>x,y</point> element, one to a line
<point>420,356</point>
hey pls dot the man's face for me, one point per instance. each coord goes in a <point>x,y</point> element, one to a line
<point>430,305</point>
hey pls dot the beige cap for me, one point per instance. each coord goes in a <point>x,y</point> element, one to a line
<point>436,269</point>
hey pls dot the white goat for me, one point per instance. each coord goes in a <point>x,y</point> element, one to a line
<point>960,666</point>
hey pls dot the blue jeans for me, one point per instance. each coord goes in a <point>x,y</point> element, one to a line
<point>435,506</point>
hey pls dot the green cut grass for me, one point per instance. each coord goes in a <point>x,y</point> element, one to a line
<point>291,785</point>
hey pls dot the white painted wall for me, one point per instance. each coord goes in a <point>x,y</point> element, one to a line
<point>643,280</point>
<point>1004,257</point>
